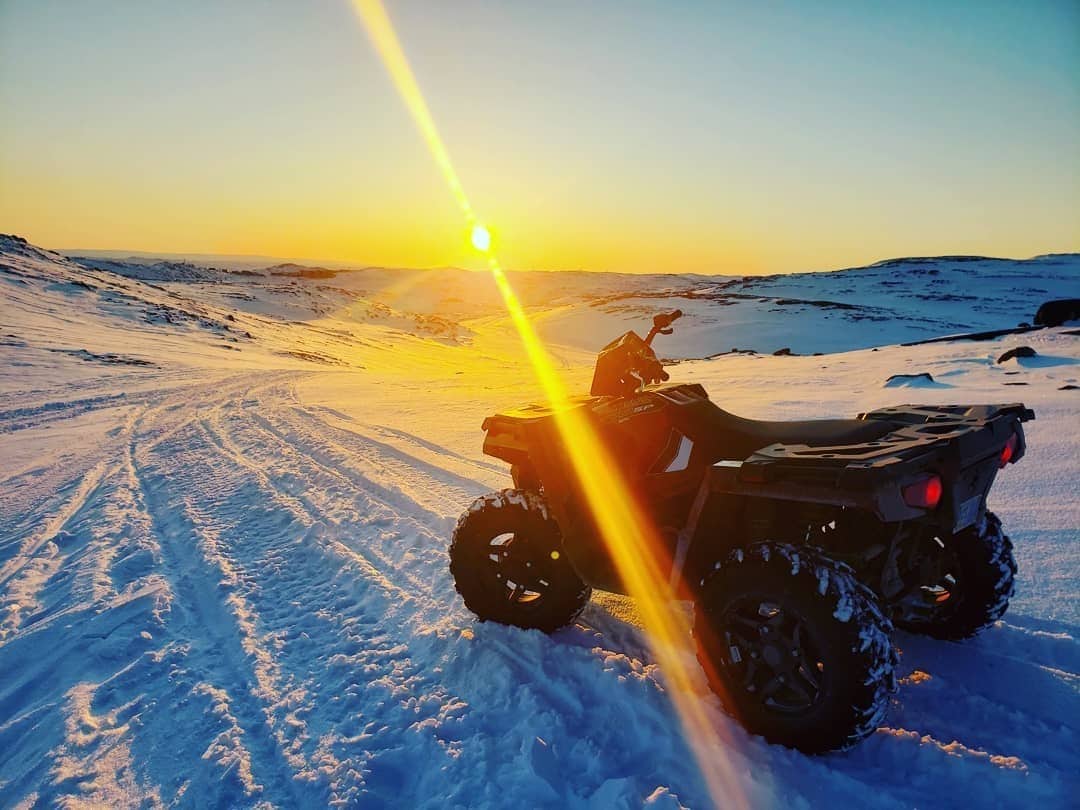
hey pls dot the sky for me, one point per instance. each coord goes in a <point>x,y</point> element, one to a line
<point>706,137</point>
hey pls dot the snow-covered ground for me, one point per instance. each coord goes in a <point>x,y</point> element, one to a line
<point>226,498</point>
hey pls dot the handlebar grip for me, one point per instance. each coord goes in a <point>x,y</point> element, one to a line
<point>663,320</point>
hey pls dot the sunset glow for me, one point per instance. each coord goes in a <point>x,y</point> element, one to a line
<point>708,138</point>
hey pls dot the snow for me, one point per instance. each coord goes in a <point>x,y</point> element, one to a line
<point>226,499</point>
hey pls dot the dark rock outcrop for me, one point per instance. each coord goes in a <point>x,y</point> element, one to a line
<point>1055,313</point>
<point>1018,351</point>
<point>911,379</point>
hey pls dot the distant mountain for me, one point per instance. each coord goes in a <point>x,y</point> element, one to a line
<point>150,270</point>
<point>917,260</point>
<point>900,300</point>
<point>300,271</point>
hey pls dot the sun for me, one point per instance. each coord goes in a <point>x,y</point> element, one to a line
<point>481,238</point>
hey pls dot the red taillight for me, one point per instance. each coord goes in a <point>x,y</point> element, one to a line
<point>924,493</point>
<point>1008,451</point>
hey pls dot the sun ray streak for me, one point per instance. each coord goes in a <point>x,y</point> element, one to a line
<point>385,39</point>
<point>635,545</point>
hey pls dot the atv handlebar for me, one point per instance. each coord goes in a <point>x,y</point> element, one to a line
<point>628,363</point>
<point>665,319</point>
<point>662,324</point>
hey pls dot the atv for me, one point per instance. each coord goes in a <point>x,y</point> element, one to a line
<point>800,543</point>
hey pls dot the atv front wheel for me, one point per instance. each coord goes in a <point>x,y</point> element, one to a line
<point>795,647</point>
<point>978,569</point>
<point>508,564</point>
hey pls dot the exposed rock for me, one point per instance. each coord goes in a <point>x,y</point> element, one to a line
<point>108,357</point>
<point>1055,313</point>
<point>291,270</point>
<point>786,302</point>
<point>990,334</point>
<point>314,357</point>
<point>904,380</point>
<point>784,352</point>
<point>1018,351</point>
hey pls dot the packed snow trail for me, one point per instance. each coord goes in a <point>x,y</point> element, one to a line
<point>292,623</point>
<point>240,603</point>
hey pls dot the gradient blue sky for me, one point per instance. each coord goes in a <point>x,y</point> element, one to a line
<point>640,136</point>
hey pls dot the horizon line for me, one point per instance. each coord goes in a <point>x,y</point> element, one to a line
<point>340,264</point>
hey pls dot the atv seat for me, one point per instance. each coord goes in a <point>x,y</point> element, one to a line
<point>732,437</point>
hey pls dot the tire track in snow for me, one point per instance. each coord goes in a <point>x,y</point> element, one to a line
<point>323,490</point>
<point>511,664</point>
<point>86,592</point>
<point>982,712</point>
<point>285,579</point>
<point>318,412</point>
<point>209,611</point>
<point>442,494</point>
<point>16,419</point>
<point>38,559</point>
<point>305,510</point>
<point>355,491</point>
<point>339,495</point>
<point>54,523</point>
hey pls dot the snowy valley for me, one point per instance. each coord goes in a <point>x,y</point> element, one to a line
<point>227,493</point>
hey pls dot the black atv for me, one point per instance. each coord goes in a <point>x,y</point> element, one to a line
<point>800,543</point>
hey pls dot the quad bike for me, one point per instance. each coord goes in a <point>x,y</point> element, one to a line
<point>800,543</point>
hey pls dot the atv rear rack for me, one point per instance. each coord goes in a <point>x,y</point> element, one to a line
<point>970,432</point>
<point>961,442</point>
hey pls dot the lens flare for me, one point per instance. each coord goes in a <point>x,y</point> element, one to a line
<point>481,238</point>
<point>635,545</point>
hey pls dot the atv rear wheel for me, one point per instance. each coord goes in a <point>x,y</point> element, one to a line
<point>795,647</point>
<point>508,565</point>
<point>978,570</point>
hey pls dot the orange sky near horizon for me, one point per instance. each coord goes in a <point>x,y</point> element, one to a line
<point>705,138</point>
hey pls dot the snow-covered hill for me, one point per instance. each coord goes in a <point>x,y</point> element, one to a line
<point>225,503</point>
<point>895,301</point>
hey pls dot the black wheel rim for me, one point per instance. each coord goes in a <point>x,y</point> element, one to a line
<point>770,654</point>
<point>517,571</point>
